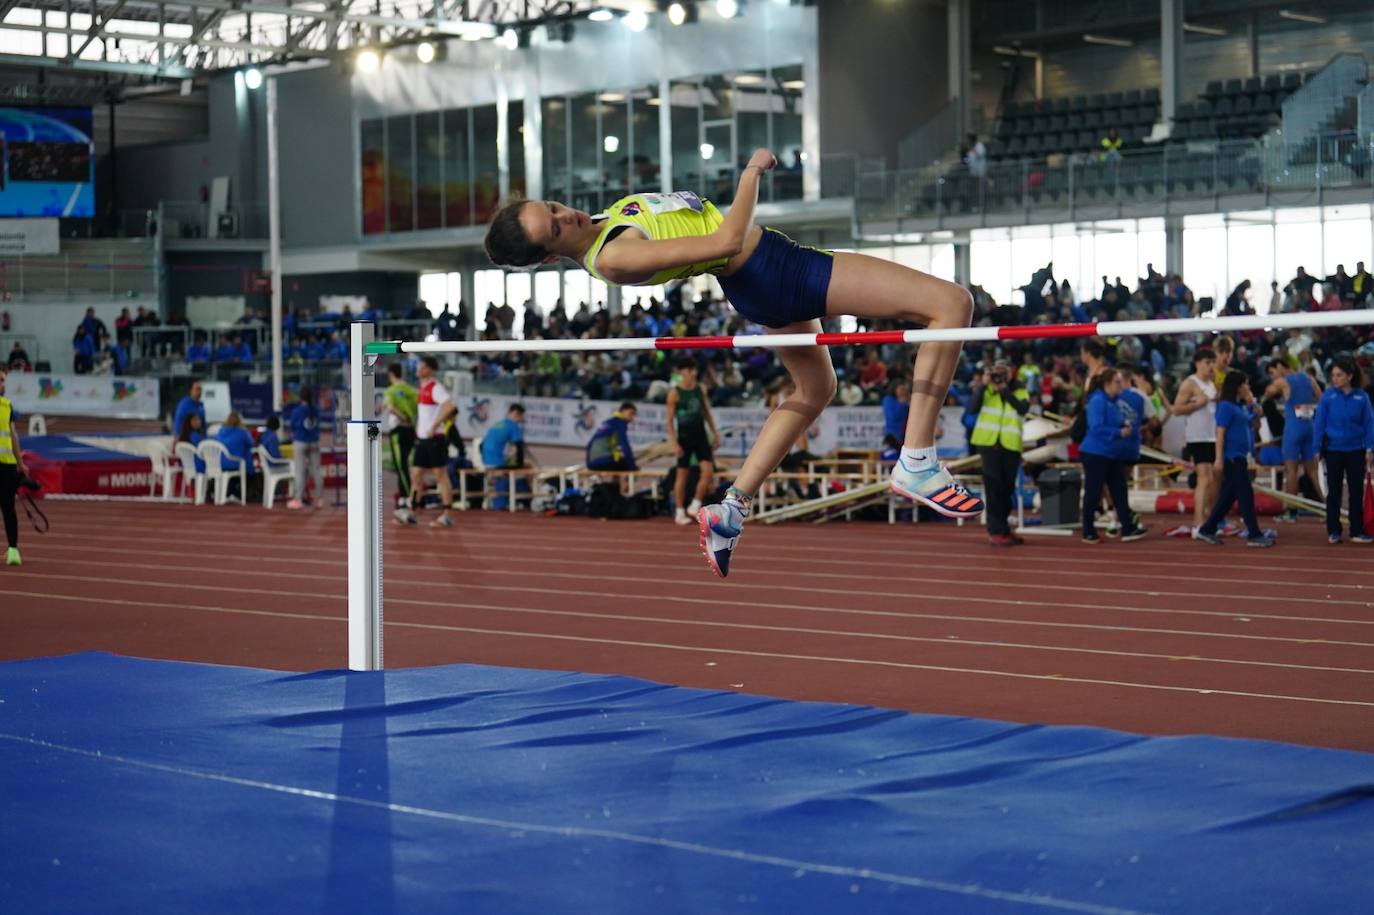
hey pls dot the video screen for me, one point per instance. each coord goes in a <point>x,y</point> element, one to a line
<point>48,166</point>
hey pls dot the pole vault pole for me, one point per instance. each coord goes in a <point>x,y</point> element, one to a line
<point>364,508</point>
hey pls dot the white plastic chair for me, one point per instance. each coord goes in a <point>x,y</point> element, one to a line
<point>186,456</point>
<point>165,471</point>
<point>38,425</point>
<point>211,452</point>
<point>274,471</point>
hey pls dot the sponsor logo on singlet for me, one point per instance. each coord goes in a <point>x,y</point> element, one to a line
<point>631,209</point>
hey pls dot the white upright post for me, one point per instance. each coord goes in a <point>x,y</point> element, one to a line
<point>274,239</point>
<point>364,510</point>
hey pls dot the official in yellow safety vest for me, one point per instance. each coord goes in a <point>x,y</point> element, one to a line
<point>997,436</point>
<point>1111,149</point>
<point>12,470</point>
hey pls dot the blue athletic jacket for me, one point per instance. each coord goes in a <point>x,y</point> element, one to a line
<point>1344,422</point>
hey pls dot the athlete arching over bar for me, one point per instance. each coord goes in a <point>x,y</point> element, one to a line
<point>647,239</point>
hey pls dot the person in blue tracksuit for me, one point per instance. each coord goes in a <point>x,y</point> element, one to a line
<point>1343,427</point>
<point>1235,414</point>
<point>189,404</point>
<point>1299,394</point>
<point>238,441</point>
<point>269,438</point>
<point>1101,452</point>
<point>609,448</point>
<point>304,420</point>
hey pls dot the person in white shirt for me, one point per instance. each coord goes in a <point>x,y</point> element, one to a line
<point>434,408</point>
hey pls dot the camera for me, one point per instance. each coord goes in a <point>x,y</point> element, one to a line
<point>30,484</point>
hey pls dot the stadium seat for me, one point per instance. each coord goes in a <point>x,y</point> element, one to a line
<point>1273,82</point>
<point>1151,97</point>
<point>1132,98</point>
<point>211,452</point>
<point>1292,82</point>
<point>1214,90</point>
<point>1233,87</point>
<point>186,456</point>
<point>274,471</point>
<point>1253,85</point>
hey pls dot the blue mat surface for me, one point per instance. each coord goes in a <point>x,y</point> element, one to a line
<point>150,786</point>
<point>63,448</point>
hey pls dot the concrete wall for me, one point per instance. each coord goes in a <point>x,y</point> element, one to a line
<point>318,176</point>
<point>884,72</point>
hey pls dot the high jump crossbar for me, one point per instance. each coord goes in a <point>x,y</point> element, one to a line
<point>364,452</point>
<point>1155,327</point>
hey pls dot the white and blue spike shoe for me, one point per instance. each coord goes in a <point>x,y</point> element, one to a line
<point>721,526</point>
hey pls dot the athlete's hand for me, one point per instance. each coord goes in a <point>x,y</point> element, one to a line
<point>1219,465</point>
<point>677,449</point>
<point>763,159</point>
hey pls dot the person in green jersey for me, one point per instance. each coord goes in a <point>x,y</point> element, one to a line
<point>647,239</point>
<point>401,409</point>
<point>692,430</point>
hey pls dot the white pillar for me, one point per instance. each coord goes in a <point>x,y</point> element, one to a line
<point>274,240</point>
<point>364,509</point>
<point>960,56</point>
<point>1171,57</point>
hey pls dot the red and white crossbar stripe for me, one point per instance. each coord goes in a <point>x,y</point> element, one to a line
<point>939,335</point>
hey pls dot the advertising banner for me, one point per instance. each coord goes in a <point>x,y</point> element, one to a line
<point>118,396</point>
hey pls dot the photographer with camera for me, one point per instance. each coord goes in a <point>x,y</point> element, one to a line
<point>1002,401</point>
<point>13,473</point>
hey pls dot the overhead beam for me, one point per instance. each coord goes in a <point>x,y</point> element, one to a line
<point>171,71</point>
<point>95,29</point>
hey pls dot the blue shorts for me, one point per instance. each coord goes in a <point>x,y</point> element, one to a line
<point>781,283</point>
<point>1299,440</point>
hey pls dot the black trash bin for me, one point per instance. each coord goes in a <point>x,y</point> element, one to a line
<point>1061,495</point>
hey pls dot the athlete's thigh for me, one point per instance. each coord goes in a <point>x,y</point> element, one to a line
<point>870,287</point>
<point>809,366</point>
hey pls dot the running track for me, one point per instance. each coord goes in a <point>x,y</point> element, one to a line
<point>1158,637</point>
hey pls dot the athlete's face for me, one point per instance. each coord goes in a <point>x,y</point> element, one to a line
<point>553,226</point>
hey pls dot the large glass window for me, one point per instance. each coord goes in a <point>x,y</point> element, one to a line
<point>429,162</point>
<point>372,144</point>
<point>788,87</point>
<point>685,99</point>
<point>486,167</point>
<point>585,143</point>
<point>646,164</point>
<point>400,169</point>
<point>515,124</point>
<point>719,145</point>
<point>614,108</point>
<point>557,178</point>
<point>457,169</point>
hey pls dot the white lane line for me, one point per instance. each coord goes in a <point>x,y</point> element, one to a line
<point>932,550</point>
<point>517,828</point>
<point>445,627</point>
<point>614,595</point>
<point>811,589</point>
<point>1220,583</point>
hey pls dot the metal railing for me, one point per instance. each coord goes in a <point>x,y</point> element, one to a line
<point>79,275</point>
<point>933,140</point>
<point>1089,183</point>
<point>1364,115</point>
<point>189,219</point>
<point>1308,112</point>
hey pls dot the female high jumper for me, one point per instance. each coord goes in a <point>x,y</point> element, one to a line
<point>772,281</point>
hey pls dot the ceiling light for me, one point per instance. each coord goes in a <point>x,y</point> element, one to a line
<point>1302,17</point>
<point>727,9</point>
<point>252,77</point>
<point>611,97</point>
<point>655,102</point>
<point>611,143</point>
<point>677,14</point>
<point>1110,42</point>
<point>424,51</point>
<point>510,39</point>
<point>707,150</point>
<point>748,79</point>
<point>1203,29</point>
<point>601,15</point>
<point>368,61</point>
<point>794,84</point>
<point>636,20</point>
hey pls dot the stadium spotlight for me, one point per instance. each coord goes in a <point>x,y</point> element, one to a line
<point>611,143</point>
<point>510,39</point>
<point>252,78</point>
<point>601,15</point>
<point>368,61</point>
<point>727,9</point>
<point>707,150</point>
<point>424,51</point>
<point>677,13</point>
<point>636,20</point>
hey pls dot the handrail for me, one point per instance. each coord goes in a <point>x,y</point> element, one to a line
<point>1322,96</point>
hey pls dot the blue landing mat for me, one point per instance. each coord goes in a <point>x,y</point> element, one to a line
<point>64,448</point>
<point>151,786</point>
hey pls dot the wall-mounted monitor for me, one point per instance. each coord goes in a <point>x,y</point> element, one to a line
<point>48,162</point>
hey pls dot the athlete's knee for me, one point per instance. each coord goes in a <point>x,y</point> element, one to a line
<point>955,307</point>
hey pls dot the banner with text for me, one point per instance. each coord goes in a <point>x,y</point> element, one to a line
<point>31,237</point>
<point>570,423</point>
<point>121,397</point>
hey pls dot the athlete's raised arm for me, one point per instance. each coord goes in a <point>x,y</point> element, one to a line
<point>632,258</point>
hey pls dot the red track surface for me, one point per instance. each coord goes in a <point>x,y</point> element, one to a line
<point>1161,636</point>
